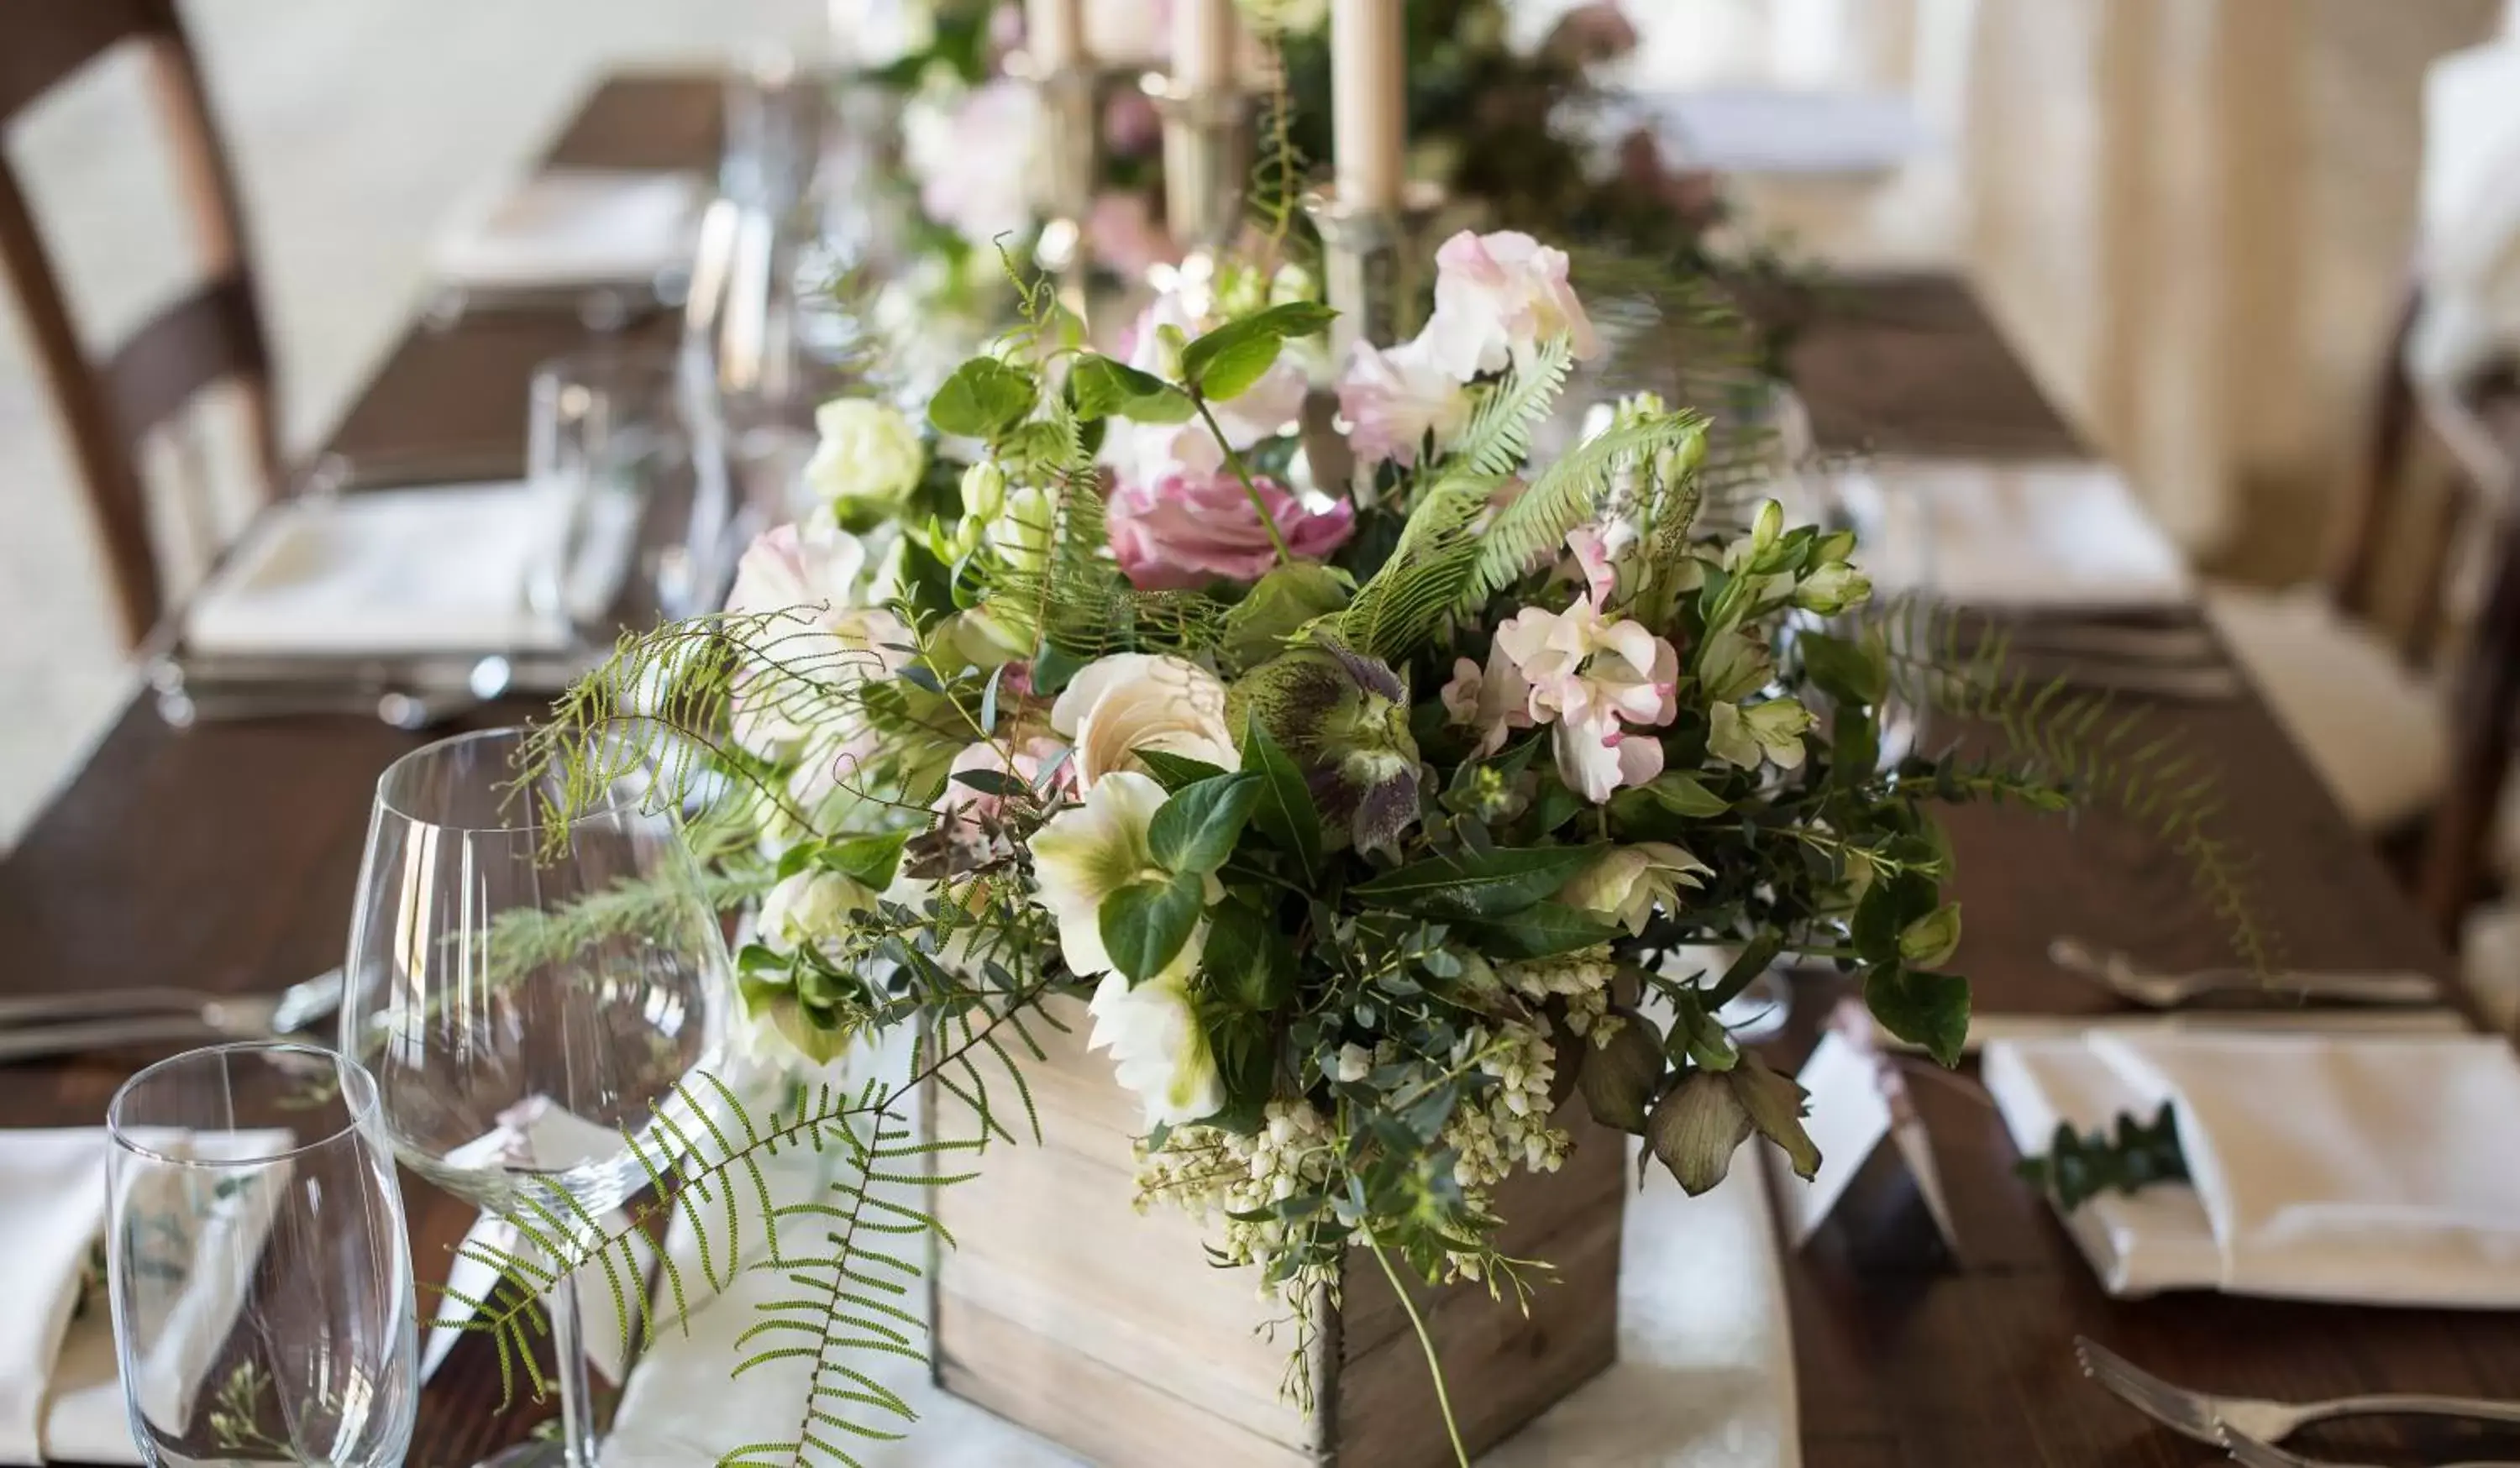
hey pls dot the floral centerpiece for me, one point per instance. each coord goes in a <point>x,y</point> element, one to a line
<point>1375,817</point>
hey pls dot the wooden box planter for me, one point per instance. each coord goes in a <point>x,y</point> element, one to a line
<point>1107,1330</point>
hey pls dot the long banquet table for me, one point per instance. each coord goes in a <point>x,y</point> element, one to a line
<point>222,857</point>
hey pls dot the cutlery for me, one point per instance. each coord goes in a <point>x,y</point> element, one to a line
<point>2204,1417</point>
<point>2122,976</point>
<point>410,703</point>
<point>2250,1452</point>
<point>600,308</point>
<point>60,1024</point>
<point>1985,1029</point>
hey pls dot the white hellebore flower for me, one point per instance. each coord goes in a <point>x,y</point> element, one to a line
<point>1629,882</point>
<point>1773,730</point>
<point>869,453</point>
<point>1139,700</point>
<point>809,907</point>
<point>1080,857</point>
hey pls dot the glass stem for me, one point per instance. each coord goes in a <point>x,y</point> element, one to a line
<point>576,1401</point>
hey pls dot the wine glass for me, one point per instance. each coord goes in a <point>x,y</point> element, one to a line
<point>532,991</point>
<point>258,1263</point>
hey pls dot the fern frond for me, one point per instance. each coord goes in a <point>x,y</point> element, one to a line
<point>1498,437</point>
<point>1566,493</point>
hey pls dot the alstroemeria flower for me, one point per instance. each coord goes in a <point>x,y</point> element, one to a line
<point>1183,528</point>
<point>1593,676</point>
<point>1120,704</point>
<point>1158,1048</point>
<point>1629,882</point>
<point>1498,299</point>
<point>1772,731</point>
<point>1393,400</point>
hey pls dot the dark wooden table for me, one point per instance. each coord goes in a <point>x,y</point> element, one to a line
<point>223,856</point>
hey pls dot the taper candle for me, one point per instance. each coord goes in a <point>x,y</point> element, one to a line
<point>1203,45</point>
<point>1368,102</point>
<point>1054,34</point>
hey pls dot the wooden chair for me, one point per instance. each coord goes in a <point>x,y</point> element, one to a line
<point>109,408</point>
<point>2414,634</point>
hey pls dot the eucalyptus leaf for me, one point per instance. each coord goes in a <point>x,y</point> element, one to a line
<point>1619,1079</point>
<point>1459,884</point>
<point>984,397</point>
<point>1286,812</point>
<point>1695,1130</point>
<point>1776,1105</point>
<point>1146,923</point>
<point>1931,1009</point>
<point>1197,829</point>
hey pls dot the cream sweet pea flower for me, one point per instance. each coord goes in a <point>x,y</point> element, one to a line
<point>1498,297</point>
<point>868,453</point>
<point>1138,700</point>
<point>1393,400</point>
<point>1629,882</point>
<point>1593,676</point>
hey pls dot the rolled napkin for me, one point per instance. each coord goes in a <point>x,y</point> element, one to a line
<point>575,226</point>
<point>2363,1168</point>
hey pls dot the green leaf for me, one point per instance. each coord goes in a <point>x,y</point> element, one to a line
<point>1489,884</point>
<point>1224,364</point>
<point>1776,1105</point>
<point>1249,959</point>
<point>1931,1009</point>
<point>984,398</point>
<point>1684,794</point>
<point>1930,941</point>
<point>992,781</point>
<point>1752,961</point>
<point>1051,668</point>
<point>1697,1128</point>
<point>1848,672</point>
<point>1146,923</point>
<point>1541,930</point>
<point>1104,387</point>
<point>1696,1037</point>
<point>1197,829</point>
<point>1618,1080</point>
<point>1286,812</point>
<point>1176,772</point>
<point>869,860</point>
<point>1888,906</point>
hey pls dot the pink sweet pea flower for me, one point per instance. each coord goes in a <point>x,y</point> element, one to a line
<point>1498,297</point>
<point>1595,677</point>
<point>1392,400</point>
<point>1183,528</point>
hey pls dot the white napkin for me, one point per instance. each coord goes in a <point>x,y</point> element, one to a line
<point>2048,535</point>
<point>2365,1169</point>
<point>565,227</point>
<point>410,570</point>
<point>61,1387</point>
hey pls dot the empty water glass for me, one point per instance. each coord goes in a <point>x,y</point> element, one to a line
<point>258,1263</point>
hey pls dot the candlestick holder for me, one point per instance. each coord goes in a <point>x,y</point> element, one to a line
<point>1063,183</point>
<point>1207,158</point>
<point>1373,264</point>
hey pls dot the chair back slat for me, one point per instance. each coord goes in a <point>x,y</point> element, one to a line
<point>212,335</point>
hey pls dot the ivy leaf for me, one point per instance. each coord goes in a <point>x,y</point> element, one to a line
<point>872,861</point>
<point>1286,814</point>
<point>1848,672</point>
<point>1618,1080</point>
<point>984,398</point>
<point>1931,1009</point>
<point>1885,911</point>
<point>1144,924</point>
<point>1489,884</point>
<point>1776,1105</point>
<point>1104,387</point>
<point>1176,772</point>
<point>1224,364</point>
<point>1541,930</point>
<point>1695,1130</point>
<point>1194,831</point>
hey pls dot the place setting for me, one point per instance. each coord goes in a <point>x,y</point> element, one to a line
<point>1171,747</point>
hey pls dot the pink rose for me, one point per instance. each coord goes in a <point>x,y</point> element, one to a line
<point>1498,299</point>
<point>1183,528</point>
<point>1392,400</point>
